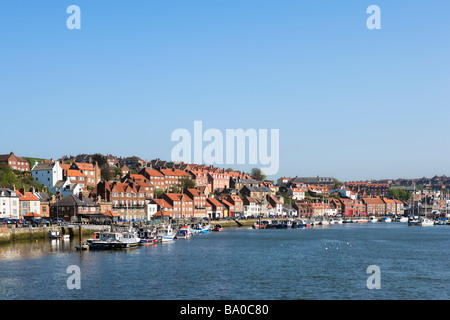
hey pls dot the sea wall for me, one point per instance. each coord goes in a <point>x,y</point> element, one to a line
<point>13,234</point>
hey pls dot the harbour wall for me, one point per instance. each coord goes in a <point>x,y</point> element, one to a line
<point>12,234</point>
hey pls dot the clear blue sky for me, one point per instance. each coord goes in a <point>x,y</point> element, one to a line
<point>349,102</point>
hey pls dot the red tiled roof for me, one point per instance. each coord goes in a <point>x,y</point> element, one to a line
<point>28,196</point>
<point>154,173</point>
<point>75,173</point>
<point>84,166</point>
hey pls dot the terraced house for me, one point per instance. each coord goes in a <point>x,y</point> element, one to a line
<point>127,199</point>
<point>9,204</point>
<point>28,202</point>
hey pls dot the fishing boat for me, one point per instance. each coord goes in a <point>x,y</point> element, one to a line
<point>297,224</point>
<point>115,240</point>
<point>199,229</point>
<point>54,234</point>
<point>373,219</point>
<point>183,233</point>
<point>272,224</point>
<point>218,227</point>
<point>257,225</point>
<point>147,236</point>
<point>165,233</point>
<point>284,224</point>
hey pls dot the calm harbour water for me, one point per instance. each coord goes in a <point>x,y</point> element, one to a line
<point>328,262</point>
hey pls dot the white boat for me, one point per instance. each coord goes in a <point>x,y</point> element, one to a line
<point>373,219</point>
<point>401,219</point>
<point>425,222</point>
<point>324,222</point>
<point>147,236</point>
<point>165,233</point>
<point>386,219</point>
<point>54,234</point>
<point>115,240</point>
<point>338,221</point>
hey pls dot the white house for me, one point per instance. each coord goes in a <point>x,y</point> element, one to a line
<point>66,188</point>
<point>47,174</point>
<point>151,209</point>
<point>345,193</point>
<point>251,207</point>
<point>9,204</point>
<point>296,193</point>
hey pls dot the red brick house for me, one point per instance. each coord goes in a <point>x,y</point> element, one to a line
<point>199,199</point>
<point>354,208</point>
<point>155,177</point>
<point>15,162</point>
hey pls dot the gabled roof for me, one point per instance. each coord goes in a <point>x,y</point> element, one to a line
<point>72,200</point>
<point>214,202</point>
<point>75,173</point>
<point>154,173</point>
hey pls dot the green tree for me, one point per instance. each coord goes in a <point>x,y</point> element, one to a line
<point>399,194</point>
<point>106,172</point>
<point>257,174</point>
<point>187,183</point>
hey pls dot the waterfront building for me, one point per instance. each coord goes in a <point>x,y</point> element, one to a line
<point>28,202</point>
<point>252,207</point>
<point>9,204</point>
<point>127,198</point>
<point>275,206</point>
<point>375,206</point>
<point>74,209</point>
<point>353,208</point>
<point>199,200</point>
<point>216,208</point>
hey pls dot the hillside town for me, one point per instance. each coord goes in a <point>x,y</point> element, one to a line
<point>102,188</point>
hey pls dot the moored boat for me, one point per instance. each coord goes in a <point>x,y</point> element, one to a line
<point>147,236</point>
<point>401,219</point>
<point>218,227</point>
<point>115,240</point>
<point>55,234</point>
<point>425,222</point>
<point>165,233</point>
<point>183,233</point>
<point>373,219</point>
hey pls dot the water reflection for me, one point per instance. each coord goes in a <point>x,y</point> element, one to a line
<point>29,249</point>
